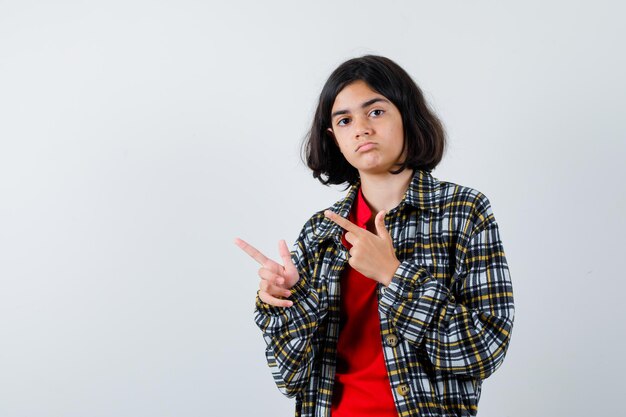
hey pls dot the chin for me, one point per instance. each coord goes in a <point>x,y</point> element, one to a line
<point>374,170</point>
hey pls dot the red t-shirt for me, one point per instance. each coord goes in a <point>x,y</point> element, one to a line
<point>361,383</point>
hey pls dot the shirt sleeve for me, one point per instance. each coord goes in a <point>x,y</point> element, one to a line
<point>289,332</point>
<point>463,332</point>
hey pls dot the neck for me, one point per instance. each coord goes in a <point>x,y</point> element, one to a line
<point>384,192</point>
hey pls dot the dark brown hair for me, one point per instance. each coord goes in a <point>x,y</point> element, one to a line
<point>424,134</point>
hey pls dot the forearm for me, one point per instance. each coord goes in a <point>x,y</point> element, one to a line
<point>289,335</point>
<point>468,341</point>
<point>464,335</point>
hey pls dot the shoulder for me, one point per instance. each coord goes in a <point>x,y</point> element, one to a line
<point>314,228</point>
<point>319,228</point>
<point>464,202</point>
<point>451,193</point>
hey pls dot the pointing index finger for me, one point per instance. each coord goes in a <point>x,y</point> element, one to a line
<point>345,223</point>
<point>252,251</point>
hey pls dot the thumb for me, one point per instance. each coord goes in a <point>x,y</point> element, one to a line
<point>379,221</point>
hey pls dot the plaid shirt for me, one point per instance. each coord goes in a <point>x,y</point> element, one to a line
<point>445,319</point>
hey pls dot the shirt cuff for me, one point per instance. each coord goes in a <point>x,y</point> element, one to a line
<point>409,282</point>
<point>298,293</point>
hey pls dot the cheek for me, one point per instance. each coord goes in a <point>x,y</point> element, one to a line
<point>399,135</point>
<point>341,145</point>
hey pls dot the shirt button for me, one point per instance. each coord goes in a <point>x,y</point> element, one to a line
<point>403,389</point>
<point>391,340</point>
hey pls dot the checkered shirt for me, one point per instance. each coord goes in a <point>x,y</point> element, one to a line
<point>445,319</point>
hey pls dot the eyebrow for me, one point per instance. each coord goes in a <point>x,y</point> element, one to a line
<point>364,105</point>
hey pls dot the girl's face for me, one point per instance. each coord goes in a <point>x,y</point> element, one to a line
<point>367,128</point>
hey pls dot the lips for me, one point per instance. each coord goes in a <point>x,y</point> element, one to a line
<point>365,146</point>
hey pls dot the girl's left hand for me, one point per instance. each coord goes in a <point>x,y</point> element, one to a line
<point>373,255</point>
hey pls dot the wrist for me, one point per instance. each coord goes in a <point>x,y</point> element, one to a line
<point>391,271</point>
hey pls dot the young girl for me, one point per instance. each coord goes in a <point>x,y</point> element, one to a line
<point>396,300</point>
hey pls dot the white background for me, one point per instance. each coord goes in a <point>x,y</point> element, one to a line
<point>139,138</point>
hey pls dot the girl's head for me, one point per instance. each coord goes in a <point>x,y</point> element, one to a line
<point>423,134</point>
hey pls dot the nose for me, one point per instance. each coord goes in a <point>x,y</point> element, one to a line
<point>362,127</point>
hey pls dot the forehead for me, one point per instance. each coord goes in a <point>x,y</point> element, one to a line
<point>354,94</point>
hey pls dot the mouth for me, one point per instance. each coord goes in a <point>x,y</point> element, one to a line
<point>365,147</point>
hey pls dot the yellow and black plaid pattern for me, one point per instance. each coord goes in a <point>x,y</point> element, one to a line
<point>445,319</point>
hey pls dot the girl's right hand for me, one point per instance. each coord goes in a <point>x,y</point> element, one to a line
<point>276,279</point>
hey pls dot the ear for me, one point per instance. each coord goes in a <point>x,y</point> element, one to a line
<point>332,135</point>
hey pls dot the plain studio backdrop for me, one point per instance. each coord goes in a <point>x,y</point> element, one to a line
<point>139,138</point>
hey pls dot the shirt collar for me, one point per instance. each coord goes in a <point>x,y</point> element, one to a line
<point>422,193</point>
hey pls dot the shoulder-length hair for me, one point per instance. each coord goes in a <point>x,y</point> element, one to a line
<point>424,134</point>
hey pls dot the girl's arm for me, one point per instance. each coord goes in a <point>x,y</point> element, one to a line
<point>467,332</point>
<point>289,332</point>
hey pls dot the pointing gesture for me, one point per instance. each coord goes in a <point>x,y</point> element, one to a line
<point>276,280</point>
<point>373,255</point>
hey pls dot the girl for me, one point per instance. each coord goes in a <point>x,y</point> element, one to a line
<point>396,300</point>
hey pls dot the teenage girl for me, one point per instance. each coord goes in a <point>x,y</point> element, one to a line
<point>396,300</point>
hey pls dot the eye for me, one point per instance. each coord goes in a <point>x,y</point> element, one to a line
<point>340,120</point>
<point>378,110</point>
